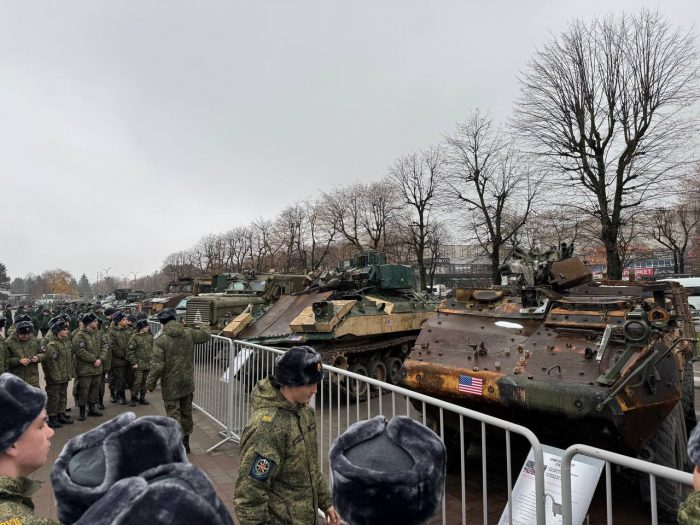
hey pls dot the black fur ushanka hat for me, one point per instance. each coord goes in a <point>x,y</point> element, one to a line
<point>388,472</point>
<point>20,405</point>
<point>123,447</point>
<point>171,494</point>
<point>298,366</point>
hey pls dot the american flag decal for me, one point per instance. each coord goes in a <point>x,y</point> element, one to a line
<point>471,385</point>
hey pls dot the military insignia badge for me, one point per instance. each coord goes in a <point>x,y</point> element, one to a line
<point>82,344</point>
<point>54,355</point>
<point>261,468</point>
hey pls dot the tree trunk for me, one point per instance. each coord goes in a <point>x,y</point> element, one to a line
<point>495,263</point>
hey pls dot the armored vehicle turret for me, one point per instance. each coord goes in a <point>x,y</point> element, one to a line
<point>602,363</point>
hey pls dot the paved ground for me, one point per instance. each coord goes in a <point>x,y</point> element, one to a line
<point>221,465</point>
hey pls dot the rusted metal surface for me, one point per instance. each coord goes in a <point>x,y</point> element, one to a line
<point>565,365</point>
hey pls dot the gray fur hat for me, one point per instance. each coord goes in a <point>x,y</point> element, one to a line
<point>21,404</point>
<point>388,472</point>
<point>172,494</point>
<point>123,447</point>
<point>694,445</point>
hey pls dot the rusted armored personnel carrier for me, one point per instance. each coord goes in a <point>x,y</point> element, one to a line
<point>576,361</point>
<point>249,290</point>
<point>364,317</point>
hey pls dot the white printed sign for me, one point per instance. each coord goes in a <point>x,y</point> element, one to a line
<point>585,473</point>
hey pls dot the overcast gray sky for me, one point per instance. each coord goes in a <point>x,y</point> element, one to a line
<point>130,129</point>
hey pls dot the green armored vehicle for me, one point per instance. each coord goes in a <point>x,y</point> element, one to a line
<point>363,317</point>
<point>249,289</point>
<point>602,363</point>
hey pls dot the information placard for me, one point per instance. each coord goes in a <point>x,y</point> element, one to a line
<point>585,473</point>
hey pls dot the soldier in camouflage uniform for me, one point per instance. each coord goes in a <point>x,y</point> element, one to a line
<point>173,364</point>
<point>139,353</point>
<point>24,352</point>
<point>57,372</point>
<point>118,339</point>
<point>89,355</point>
<point>106,319</point>
<point>279,480</point>
<point>25,442</point>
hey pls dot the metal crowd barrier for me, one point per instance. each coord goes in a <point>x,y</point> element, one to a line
<point>344,398</point>
<point>640,465</point>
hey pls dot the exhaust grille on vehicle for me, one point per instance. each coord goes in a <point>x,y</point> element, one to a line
<point>197,312</point>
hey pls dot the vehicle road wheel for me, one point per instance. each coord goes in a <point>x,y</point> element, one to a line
<point>377,370</point>
<point>668,448</point>
<point>393,369</point>
<point>358,389</point>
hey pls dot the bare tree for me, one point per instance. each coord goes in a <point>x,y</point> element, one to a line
<point>236,242</point>
<point>438,236</point>
<point>673,228</point>
<point>322,232</point>
<point>345,207</point>
<point>497,186</point>
<point>417,178</point>
<point>604,104</point>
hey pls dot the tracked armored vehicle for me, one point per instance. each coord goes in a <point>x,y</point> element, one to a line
<point>248,290</point>
<point>363,317</point>
<point>606,364</point>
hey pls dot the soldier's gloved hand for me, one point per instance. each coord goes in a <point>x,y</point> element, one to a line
<point>135,366</point>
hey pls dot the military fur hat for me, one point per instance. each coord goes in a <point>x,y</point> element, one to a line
<point>58,326</point>
<point>109,311</point>
<point>24,327</point>
<point>694,445</point>
<point>166,315</point>
<point>141,323</point>
<point>388,472</point>
<point>22,317</point>
<point>171,494</point>
<point>298,366</point>
<point>88,318</point>
<point>131,318</point>
<point>118,316</point>
<point>21,404</point>
<point>123,447</point>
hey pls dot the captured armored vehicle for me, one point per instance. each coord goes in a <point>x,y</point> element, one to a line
<point>363,317</point>
<point>250,289</point>
<point>175,292</point>
<point>607,364</point>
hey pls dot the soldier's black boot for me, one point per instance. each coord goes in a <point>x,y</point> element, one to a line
<point>54,422</point>
<point>112,396</point>
<point>68,409</point>
<point>121,398</point>
<point>133,402</point>
<point>186,442</point>
<point>142,399</point>
<point>93,410</point>
<point>82,414</point>
<point>101,403</point>
<point>65,419</point>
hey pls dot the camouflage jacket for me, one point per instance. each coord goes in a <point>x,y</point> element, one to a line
<point>279,481</point>
<point>88,348</point>
<point>17,350</point>
<point>173,359</point>
<point>689,511</point>
<point>140,350</point>
<point>58,363</point>
<point>118,341</point>
<point>16,507</point>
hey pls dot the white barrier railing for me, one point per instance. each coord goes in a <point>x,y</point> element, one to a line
<point>652,469</point>
<point>345,397</point>
<point>156,327</point>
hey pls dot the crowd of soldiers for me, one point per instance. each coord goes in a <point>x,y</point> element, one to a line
<point>96,348</point>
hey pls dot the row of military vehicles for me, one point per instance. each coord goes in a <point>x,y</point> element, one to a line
<point>604,363</point>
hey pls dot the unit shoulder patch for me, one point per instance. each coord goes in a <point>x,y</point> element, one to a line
<point>261,468</point>
<point>266,419</point>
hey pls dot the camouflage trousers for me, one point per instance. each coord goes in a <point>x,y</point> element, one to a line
<point>56,395</point>
<point>88,387</point>
<point>181,411</point>
<point>117,381</point>
<point>139,386</point>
